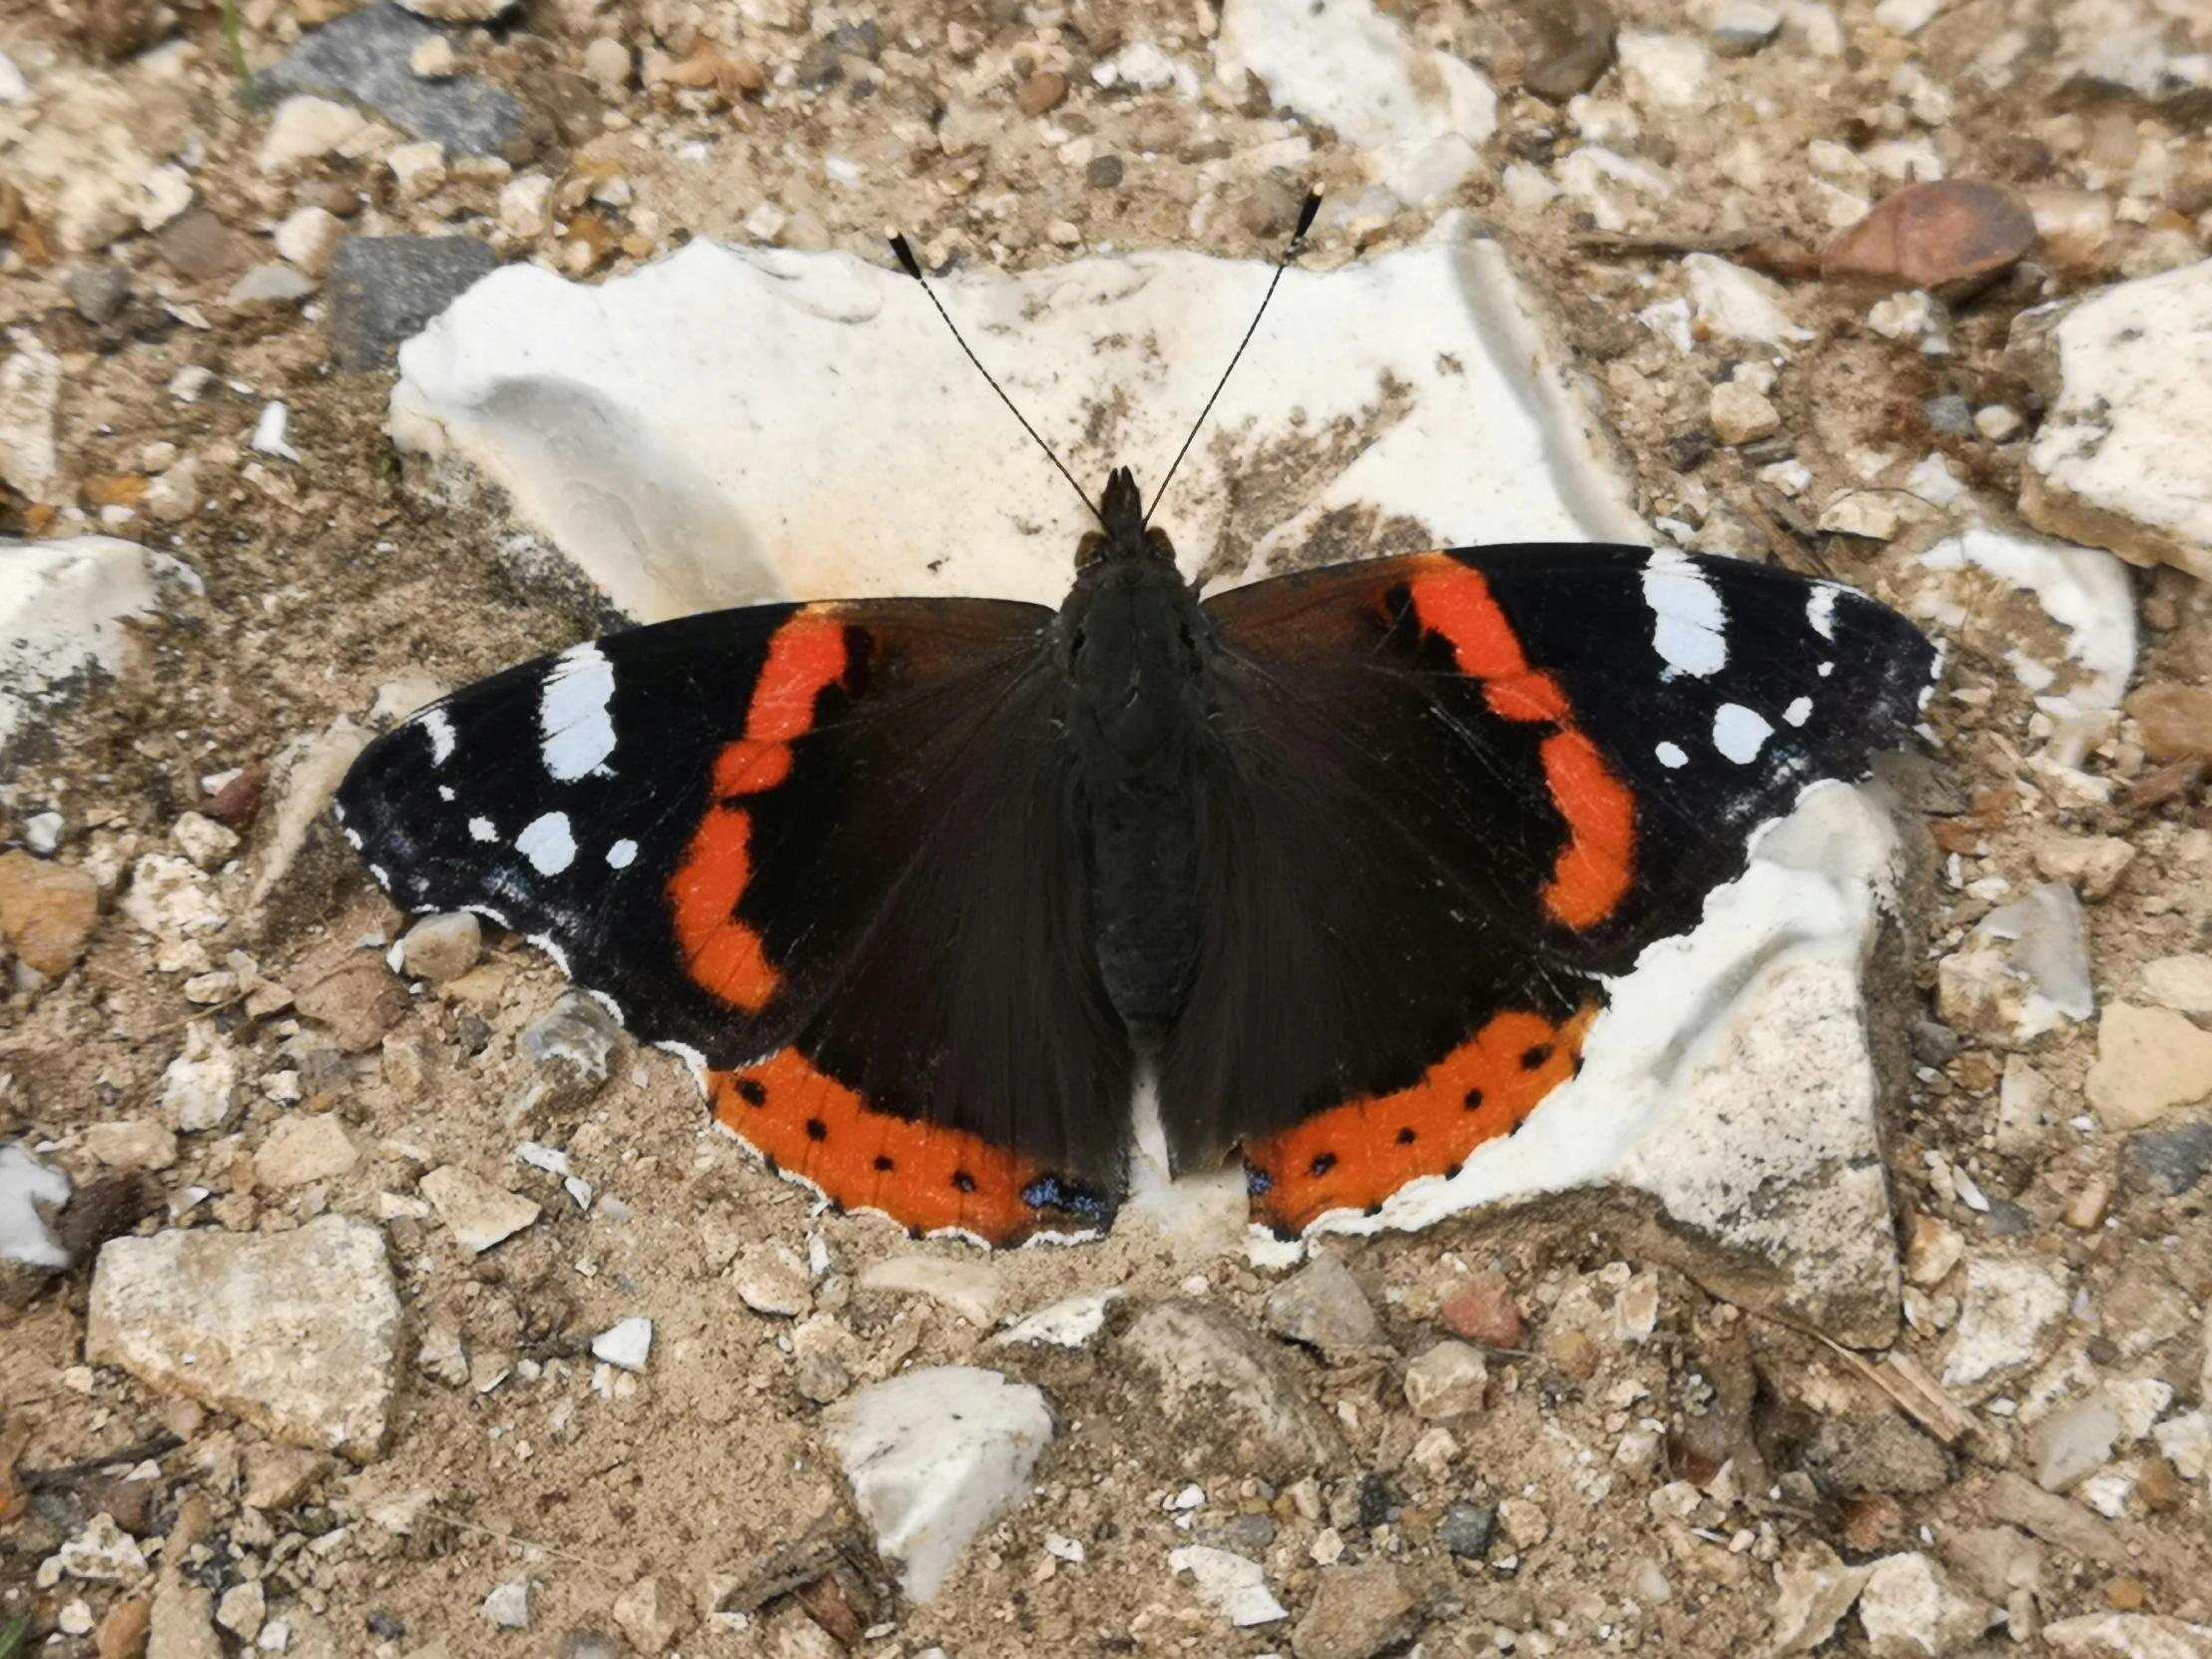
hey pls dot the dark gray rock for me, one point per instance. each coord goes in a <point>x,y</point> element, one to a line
<point>363,55</point>
<point>1252,1535</point>
<point>2168,1162</point>
<point>1877,1454</point>
<point>1933,1043</point>
<point>1950,415</point>
<point>1466,1529</point>
<point>97,290</point>
<point>1103,172</point>
<point>384,289</point>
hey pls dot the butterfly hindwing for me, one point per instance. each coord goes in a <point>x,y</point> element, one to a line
<point>822,850</point>
<point>1460,788</point>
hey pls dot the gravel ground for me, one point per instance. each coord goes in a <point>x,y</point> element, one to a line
<point>1511,1434</point>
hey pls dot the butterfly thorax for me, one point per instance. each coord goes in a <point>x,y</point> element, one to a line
<point>1137,741</point>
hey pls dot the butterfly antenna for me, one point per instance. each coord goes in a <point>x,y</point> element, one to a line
<point>912,267</point>
<point>1290,254</point>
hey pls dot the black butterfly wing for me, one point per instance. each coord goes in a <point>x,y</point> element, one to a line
<point>822,849</point>
<point>1460,786</point>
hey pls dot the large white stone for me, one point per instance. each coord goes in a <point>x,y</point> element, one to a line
<point>1230,1584</point>
<point>2008,1307</point>
<point>63,606</point>
<point>934,1456</point>
<point>727,427</point>
<point>298,1333</point>
<point>26,1184</point>
<point>2119,460</point>
<point>2084,590</point>
<point>2129,1636</point>
<point>1417,111</point>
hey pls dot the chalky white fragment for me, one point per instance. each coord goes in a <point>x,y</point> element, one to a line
<point>440,731</point>
<point>547,844</point>
<point>622,854</point>
<point>576,729</point>
<point>1740,733</point>
<point>1689,629</point>
<point>1672,755</point>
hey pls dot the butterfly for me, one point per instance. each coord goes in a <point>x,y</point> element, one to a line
<point>1340,861</point>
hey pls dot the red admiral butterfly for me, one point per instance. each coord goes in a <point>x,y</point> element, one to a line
<point>1340,859</point>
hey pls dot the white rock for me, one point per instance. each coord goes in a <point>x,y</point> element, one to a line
<point>30,395</point>
<point>1419,112</point>
<point>433,59</point>
<point>440,947</point>
<point>1742,25</point>
<point>200,1086</point>
<point>1813,1590</point>
<point>2149,1060</point>
<point>526,206</point>
<point>307,237</point>
<point>933,1458</point>
<point>773,1282</point>
<point>305,130</point>
<point>1069,1323</point>
<point>968,1284</point>
<point>2075,1440</point>
<point>417,168</point>
<point>1740,415</point>
<point>270,432</point>
<point>170,898</point>
<point>607,64</point>
<point>102,1551</point>
<point>2023,970</point>
<point>13,87</point>
<point>1230,1584</point>
<point>1905,160</point>
<point>2183,983</point>
<point>243,1609</point>
<point>2092,864</point>
<point>1910,1610</point>
<point>508,1606</point>
<point>168,192</point>
<point>1868,513</point>
<point>1447,1381</point>
<point>1665,72</point>
<point>63,608</point>
<point>2084,591</point>
<point>86,163</point>
<point>478,1214</point>
<point>1907,17</point>
<point>2116,462</point>
<point>2186,1442</point>
<point>25,1184</point>
<point>297,1333</point>
<point>206,842</point>
<point>2129,1636</point>
<point>2008,1307</point>
<point>647,434</point>
<point>139,1143</point>
<point>1615,188</point>
<point>628,1344</point>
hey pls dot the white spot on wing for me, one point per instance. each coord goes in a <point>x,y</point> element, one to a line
<point>544,941</point>
<point>482,829</point>
<point>1689,629</point>
<point>576,731</point>
<point>440,731</point>
<point>1798,712</point>
<point>383,876</point>
<point>622,854</point>
<point>1820,609</point>
<point>547,844</point>
<point>1827,668</point>
<point>445,794</point>
<point>1672,755</point>
<point>1739,733</point>
<point>352,838</point>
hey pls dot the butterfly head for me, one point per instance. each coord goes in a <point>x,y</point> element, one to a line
<point>1122,533</point>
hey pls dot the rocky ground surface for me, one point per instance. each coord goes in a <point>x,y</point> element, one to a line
<point>370,1300</point>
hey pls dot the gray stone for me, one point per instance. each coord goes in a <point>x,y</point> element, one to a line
<point>2074,1441</point>
<point>297,1333</point>
<point>271,283</point>
<point>576,1038</point>
<point>2008,1307</point>
<point>441,947</point>
<point>25,1186</point>
<point>934,1456</point>
<point>364,56</point>
<point>1876,1453</point>
<point>1466,1528</point>
<point>384,289</point>
<point>479,1214</point>
<point>1950,415</point>
<point>1357,1611</point>
<point>97,290</point>
<point>1220,1387</point>
<point>2169,1162</point>
<point>1447,1381</point>
<point>1934,1042</point>
<point>1321,1303</point>
<point>309,1148</point>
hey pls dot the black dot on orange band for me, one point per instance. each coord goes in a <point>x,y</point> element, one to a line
<point>1323,1164</point>
<point>816,1130</point>
<point>964,1181</point>
<point>1535,1057</point>
<point>1405,1137</point>
<point>752,1091</point>
<point>884,1164</point>
<point>1475,1100</point>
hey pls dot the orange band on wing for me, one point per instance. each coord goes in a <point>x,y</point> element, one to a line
<point>723,956</point>
<point>1354,1156</point>
<point>1596,868</point>
<point>807,1124</point>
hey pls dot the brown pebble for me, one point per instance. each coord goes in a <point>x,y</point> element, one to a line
<point>237,801</point>
<point>2125,1594</point>
<point>2176,720</point>
<point>195,1518</point>
<point>1567,43</point>
<point>48,911</point>
<point>1576,1354</point>
<point>705,67</point>
<point>1950,236</point>
<point>359,1001</point>
<point>115,489</point>
<point>1869,1520</point>
<point>97,1212</point>
<point>2158,1487</point>
<point>1482,1311</point>
<point>199,248</point>
<point>1043,90</point>
<point>122,1633</point>
<point>129,1503</point>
